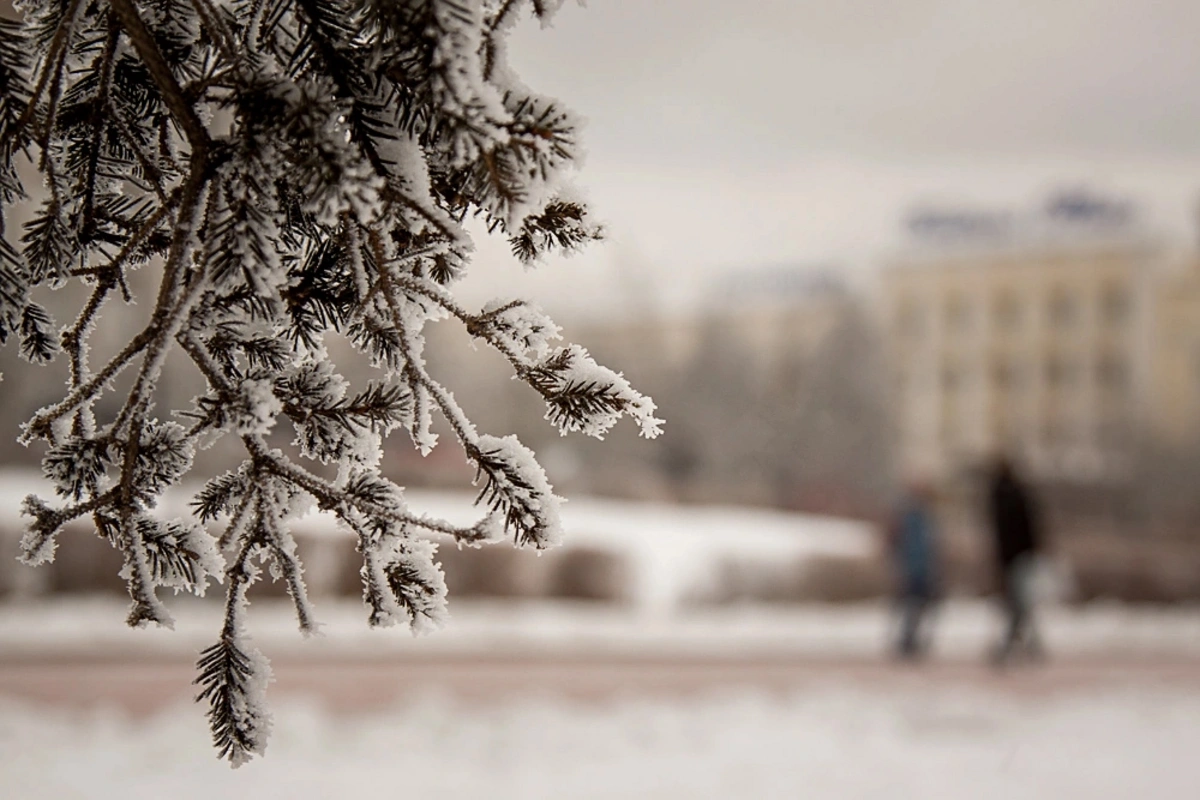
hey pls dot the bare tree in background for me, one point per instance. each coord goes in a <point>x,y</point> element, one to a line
<point>802,426</point>
<point>834,442</point>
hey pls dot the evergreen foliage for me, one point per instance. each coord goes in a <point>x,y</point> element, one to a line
<point>290,168</point>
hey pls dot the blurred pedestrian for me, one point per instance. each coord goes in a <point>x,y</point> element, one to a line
<point>1015,524</point>
<point>912,539</point>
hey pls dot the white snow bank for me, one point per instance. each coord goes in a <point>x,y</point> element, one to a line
<point>829,742</point>
<point>673,551</point>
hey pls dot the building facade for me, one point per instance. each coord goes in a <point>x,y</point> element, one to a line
<point>1174,415</point>
<point>1039,354</point>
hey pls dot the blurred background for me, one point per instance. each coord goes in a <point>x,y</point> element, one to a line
<point>849,245</point>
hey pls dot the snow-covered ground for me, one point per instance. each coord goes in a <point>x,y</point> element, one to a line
<point>861,734</point>
<point>864,734</point>
<point>834,734</point>
<point>961,630</point>
<point>833,742</point>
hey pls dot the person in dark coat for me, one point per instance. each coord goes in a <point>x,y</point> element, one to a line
<point>913,543</point>
<point>1015,525</point>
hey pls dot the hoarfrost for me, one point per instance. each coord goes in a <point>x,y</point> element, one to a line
<point>515,485</point>
<point>287,178</point>
<point>257,408</point>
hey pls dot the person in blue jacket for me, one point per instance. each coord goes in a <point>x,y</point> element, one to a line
<point>913,540</point>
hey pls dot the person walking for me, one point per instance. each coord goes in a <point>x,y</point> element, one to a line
<point>913,544</point>
<point>1015,526</point>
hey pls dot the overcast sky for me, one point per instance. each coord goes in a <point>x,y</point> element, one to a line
<point>725,135</point>
<point>733,134</point>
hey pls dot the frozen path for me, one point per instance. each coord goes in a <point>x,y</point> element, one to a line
<point>69,652</point>
<point>356,684</point>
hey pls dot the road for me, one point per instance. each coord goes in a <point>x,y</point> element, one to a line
<point>141,686</point>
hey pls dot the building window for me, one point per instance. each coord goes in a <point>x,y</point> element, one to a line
<point>1112,372</point>
<point>1006,313</point>
<point>1001,374</point>
<point>1061,372</point>
<point>951,428</point>
<point>958,315</point>
<point>1053,433</point>
<point>1112,435</point>
<point>1115,304</point>
<point>1063,310</point>
<point>910,321</point>
<point>953,377</point>
<point>1005,374</point>
<point>1053,371</point>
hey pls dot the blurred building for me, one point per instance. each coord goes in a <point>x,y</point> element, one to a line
<point>778,312</point>
<point>771,313</point>
<point>1063,347</point>
<point>1035,352</point>
<point>1175,367</point>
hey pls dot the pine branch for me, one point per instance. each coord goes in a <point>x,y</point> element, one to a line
<point>282,548</point>
<point>180,556</point>
<point>232,681</point>
<point>164,80</point>
<point>41,424</point>
<point>146,607</point>
<point>219,495</point>
<point>376,408</point>
<point>51,73</point>
<point>78,466</point>
<point>227,675</point>
<point>562,225</point>
<point>39,341</point>
<point>402,582</point>
<point>515,487</point>
<point>98,124</point>
<point>288,171</point>
<point>37,544</point>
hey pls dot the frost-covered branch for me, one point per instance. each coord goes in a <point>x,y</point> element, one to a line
<point>233,677</point>
<point>286,170</point>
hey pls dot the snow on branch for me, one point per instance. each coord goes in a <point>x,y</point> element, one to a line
<point>233,681</point>
<point>514,485</point>
<point>402,582</point>
<point>287,170</point>
<point>583,396</point>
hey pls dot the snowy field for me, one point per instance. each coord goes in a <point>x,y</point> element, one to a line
<point>1104,720</point>
<point>953,730</point>
<point>838,742</point>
